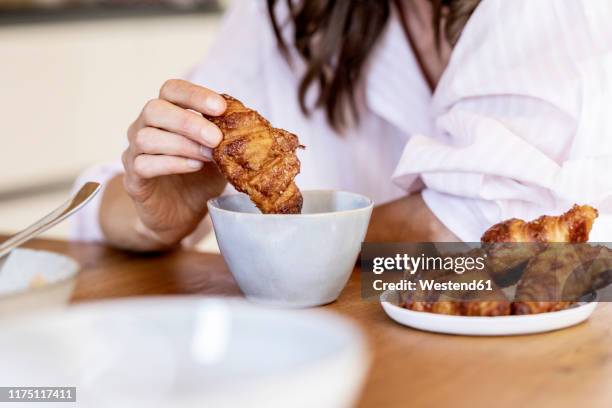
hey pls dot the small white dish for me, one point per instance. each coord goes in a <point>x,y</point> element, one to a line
<point>35,280</point>
<point>292,260</point>
<point>188,352</point>
<point>485,326</point>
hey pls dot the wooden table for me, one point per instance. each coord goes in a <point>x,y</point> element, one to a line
<point>568,368</point>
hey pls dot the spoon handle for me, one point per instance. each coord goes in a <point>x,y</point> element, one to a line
<point>82,197</point>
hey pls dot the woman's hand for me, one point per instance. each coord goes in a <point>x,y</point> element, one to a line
<point>168,171</point>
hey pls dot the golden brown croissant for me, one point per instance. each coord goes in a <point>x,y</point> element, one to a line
<point>555,276</point>
<point>573,226</point>
<point>541,287</point>
<point>258,159</point>
<point>459,303</point>
<point>489,303</point>
<point>506,261</point>
<point>560,276</point>
<point>496,304</point>
<point>505,256</point>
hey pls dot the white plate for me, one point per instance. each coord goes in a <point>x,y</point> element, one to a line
<point>35,280</point>
<point>485,326</point>
<point>187,352</point>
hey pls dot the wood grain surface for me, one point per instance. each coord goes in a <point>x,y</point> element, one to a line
<point>567,368</point>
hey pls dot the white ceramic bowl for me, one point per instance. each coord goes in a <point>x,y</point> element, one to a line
<point>297,260</point>
<point>35,280</point>
<point>188,352</point>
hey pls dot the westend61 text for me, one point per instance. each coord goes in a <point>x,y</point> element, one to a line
<point>431,285</point>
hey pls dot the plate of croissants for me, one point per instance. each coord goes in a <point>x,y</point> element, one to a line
<point>505,325</point>
<point>525,260</point>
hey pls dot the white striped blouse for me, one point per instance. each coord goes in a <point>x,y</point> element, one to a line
<point>520,124</point>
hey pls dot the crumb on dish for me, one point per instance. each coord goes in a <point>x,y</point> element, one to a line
<point>38,282</point>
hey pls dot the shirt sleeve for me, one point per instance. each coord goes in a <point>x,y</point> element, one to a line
<point>232,65</point>
<point>522,118</point>
<point>85,224</point>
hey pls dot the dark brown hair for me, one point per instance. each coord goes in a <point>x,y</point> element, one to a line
<point>335,38</point>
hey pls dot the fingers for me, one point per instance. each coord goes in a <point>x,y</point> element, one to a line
<point>146,166</point>
<point>191,96</point>
<point>170,136</point>
<point>164,115</point>
<point>151,140</point>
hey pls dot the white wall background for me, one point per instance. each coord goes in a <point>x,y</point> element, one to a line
<point>68,92</point>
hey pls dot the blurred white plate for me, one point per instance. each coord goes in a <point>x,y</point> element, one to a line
<point>485,326</point>
<point>188,352</point>
<point>35,280</point>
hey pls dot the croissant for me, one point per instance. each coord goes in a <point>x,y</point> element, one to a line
<point>489,303</point>
<point>574,226</point>
<point>555,276</point>
<point>545,278</point>
<point>258,159</point>
<point>506,257</point>
<point>560,276</point>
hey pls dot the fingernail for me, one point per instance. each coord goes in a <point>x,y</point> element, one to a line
<point>212,136</point>
<point>206,152</point>
<point>194,164</point>
<point>215,104</point>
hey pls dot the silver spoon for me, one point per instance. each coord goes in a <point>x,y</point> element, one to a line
<point>82,197</point>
